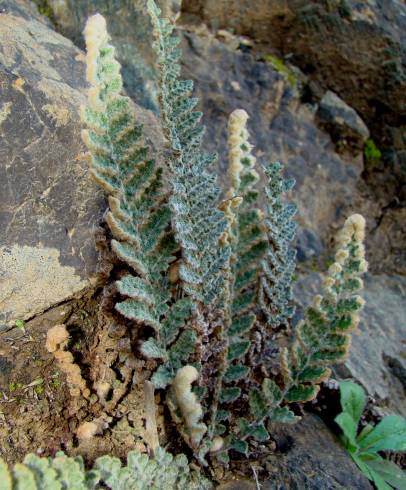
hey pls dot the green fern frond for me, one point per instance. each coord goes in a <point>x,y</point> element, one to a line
<point>139,217</point>
<point>196,219</point>
<point>141,473</point>
<point>323,337</point>
<point>275,295</point>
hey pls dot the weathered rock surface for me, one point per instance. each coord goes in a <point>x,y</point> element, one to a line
<point>309,456</point>
<point>49,206</point>
<point>378,351</point>
<point>342,122</point>
<point>344,45</point>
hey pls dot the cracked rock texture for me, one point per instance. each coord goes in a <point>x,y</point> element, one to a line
<point>49,207</point>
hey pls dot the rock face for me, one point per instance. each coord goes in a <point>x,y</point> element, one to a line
<point>49,206</point>
<point>342,122</point>
<point>308,456</point>
<point>378,349</point>
<point>345,45</point>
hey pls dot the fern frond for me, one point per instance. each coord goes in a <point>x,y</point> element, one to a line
<point>323,337</point>
<point>197,221</point>
<point>139,216</point>
<point>140,473</point>
<point>275,295</point>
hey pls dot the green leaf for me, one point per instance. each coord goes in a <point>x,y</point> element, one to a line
<point>349,428</point>
<point>240,446</point>
<point>238,349</point>
<point>229,395</point>
<point>283,415</point>
<point>162,377</point>
<point>151,349</point>
<point>235,372</point>
<point>301,393</point>
<point>258,404</point>
<point>389,472</point>
<point>259,433</point>
<point>388,435</point>
<point>222,415</point>
<point>314,374</point>
<point>5,477</point>
<point>241,325</point>
<point>184,346</point>
<point>353,400</point>
<point>271,391</point>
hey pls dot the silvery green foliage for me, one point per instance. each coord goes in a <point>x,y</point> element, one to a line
<point>248,246</point>
<point>197,221</point>
<point>66,473</point>
<point>279,264</point>
<point>139,217</point>
<point>323,337</point>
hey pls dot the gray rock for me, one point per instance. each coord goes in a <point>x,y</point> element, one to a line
<point>345,45</point>
<point>342,122</point>
<point>378,351</point>
<point>49,206</point>
<point>309,457</point>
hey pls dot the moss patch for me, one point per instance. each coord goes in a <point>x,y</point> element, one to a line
<point>282,68</point>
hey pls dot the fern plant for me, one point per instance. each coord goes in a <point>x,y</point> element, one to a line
<point>210,277</point>
<point>140,473</point>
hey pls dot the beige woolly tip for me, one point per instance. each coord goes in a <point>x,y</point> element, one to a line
<point>357,223</point>
<point>56,336</point>
<point>236,137</point>
<point>87,430</point>
<point>96,36</point>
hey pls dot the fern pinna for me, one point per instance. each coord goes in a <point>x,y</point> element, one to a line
<point>139,216</point>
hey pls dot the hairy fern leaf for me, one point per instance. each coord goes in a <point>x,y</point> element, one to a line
<point>197,221</point>
<point>139,216</point>
<point>275,296</point>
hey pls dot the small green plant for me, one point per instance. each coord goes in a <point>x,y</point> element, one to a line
<point>140,473</point>
<point>372,153</point>
<point>364,446</point>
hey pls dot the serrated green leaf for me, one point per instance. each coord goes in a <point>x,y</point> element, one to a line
<point>237,350</point>
<point>229,395</point>
<point>222,415</point>
<point>235,372</point>
<point>388,435</point>
<point>240,446</point>
<point>183,347</point>
<point>258,404</point>
<point>241,325</point>
<point>151,349</point>
<point>259,433</point>
<point>283,415</point>
<point>301,393</point>
<point>271,391</point>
